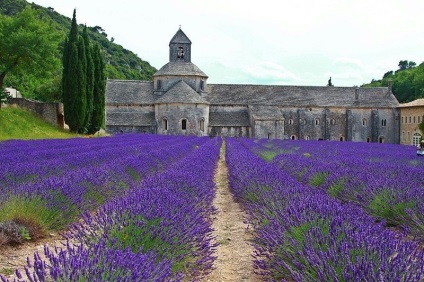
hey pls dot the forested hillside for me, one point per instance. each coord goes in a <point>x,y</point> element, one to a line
<point>407,81</point>
<point>121,63</point>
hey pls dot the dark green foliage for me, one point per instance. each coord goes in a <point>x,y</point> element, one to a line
<point>89,78</point>
<point>408,81</point>
<point>98,115</point>
<point>45,84</point>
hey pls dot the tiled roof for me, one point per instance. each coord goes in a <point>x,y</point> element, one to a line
<point>125,118</point>
<point>415,103</point>
<point>181,93</point>
<point>229,118</point>
<point>180,37</point>
<point>300,96</point>
<point>129,92</point>
<point>180,68</point>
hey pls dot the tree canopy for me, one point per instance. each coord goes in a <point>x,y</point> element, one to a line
<point>407,81</point>
<point>27,44</point>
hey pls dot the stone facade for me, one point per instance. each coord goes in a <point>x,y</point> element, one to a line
<point>179,101</point>
<point>412,114</point>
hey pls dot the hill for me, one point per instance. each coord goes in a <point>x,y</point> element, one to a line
<point>121,63</point>
<point>16,123</point>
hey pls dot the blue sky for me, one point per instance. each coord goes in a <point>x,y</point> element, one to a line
<point>301,42</point>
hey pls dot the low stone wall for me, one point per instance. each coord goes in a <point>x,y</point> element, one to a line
<point>50,112</point>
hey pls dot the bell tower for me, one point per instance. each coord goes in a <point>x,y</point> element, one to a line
<point>180,47</point>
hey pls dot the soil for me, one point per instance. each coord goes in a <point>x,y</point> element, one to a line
<point>15,257</point>
<point>235,251</point>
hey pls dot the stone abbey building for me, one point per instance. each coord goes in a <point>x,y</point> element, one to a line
<point>180,101</point>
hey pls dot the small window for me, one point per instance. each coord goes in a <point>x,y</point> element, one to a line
<point>416,139</point>
<point>332,122</point>
<point>269,135</point>
<point>383,122</point>
<point>341,138</point>
<point>184,124</point>
<point>202,84</point>
<point>202,125</point>
<point>158,84</point>
<point>180,53</point>
<point>290,121</point>
<point>381,139</point>
<point>402,119</point>
<point>414,119</point>
<point>317,121</point>
<point>165,124</point>
<point>410,120</point>
<point>293,137</point>
<point>368,140</point>
<point>307,137</point>
<point>364,122</point>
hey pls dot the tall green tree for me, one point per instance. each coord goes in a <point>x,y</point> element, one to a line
<point>81,95</point>
<point>98,116</point>
<point>70,78</point>
<point>89,78</point>
<point>27,42</point>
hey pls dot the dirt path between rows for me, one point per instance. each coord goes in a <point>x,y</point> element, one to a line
<point>234,253</point>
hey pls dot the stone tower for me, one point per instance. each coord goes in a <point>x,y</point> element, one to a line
<point>179,88</point>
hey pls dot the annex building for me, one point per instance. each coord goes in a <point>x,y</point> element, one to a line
<point>180,101</point>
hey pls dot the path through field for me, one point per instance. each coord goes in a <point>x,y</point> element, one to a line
<point>234,252</point>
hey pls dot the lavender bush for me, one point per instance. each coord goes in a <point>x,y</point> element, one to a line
<point>303,234</point>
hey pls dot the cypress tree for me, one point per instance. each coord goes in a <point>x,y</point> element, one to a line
<point>81,82</point>
<point>97,120</point>
<point>89,79</point>
<point>70,76</point>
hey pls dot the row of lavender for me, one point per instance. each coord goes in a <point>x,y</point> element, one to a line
<point>79,174</point>
<point>303,234</point>
<point>158,231</point>
<point>386,180</point>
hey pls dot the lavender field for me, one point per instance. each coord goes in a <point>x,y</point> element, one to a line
<point>138,207</point>
<point>331,211</point>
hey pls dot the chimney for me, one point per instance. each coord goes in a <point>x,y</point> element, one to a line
<point>356,93</point>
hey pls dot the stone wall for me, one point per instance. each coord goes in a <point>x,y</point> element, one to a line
<point>411,118</point>
<point>50,112</point>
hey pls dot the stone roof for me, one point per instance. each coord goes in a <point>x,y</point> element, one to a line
<point>129,92</point>
<point>180,37</point>
<point>266,112</point>
<point>415,103</point>
<point>134,118</point>
<point>181,69</point>
<point>181,92</point>
<point>240,118</point>
<point>300,96</point>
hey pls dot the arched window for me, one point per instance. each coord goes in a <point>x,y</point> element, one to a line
<point>290,121</point>
<point>307,137</point>
<point>202,84</point>
<point>165,124</point>
<point>402,119</point>
<point>381,139</point>
<point>332,121</point>
<point>293,137</point>
<point>317,121</point>
<point>368,140</point>
<point>269,135</point>
<point>180,53</point>
<point>184,124</point>
<point>158,84</point>
<point>202,124</point>
<point>364,122</point>
<point>341,138</point>
<point>416,138</point>
<point>414,119</point>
